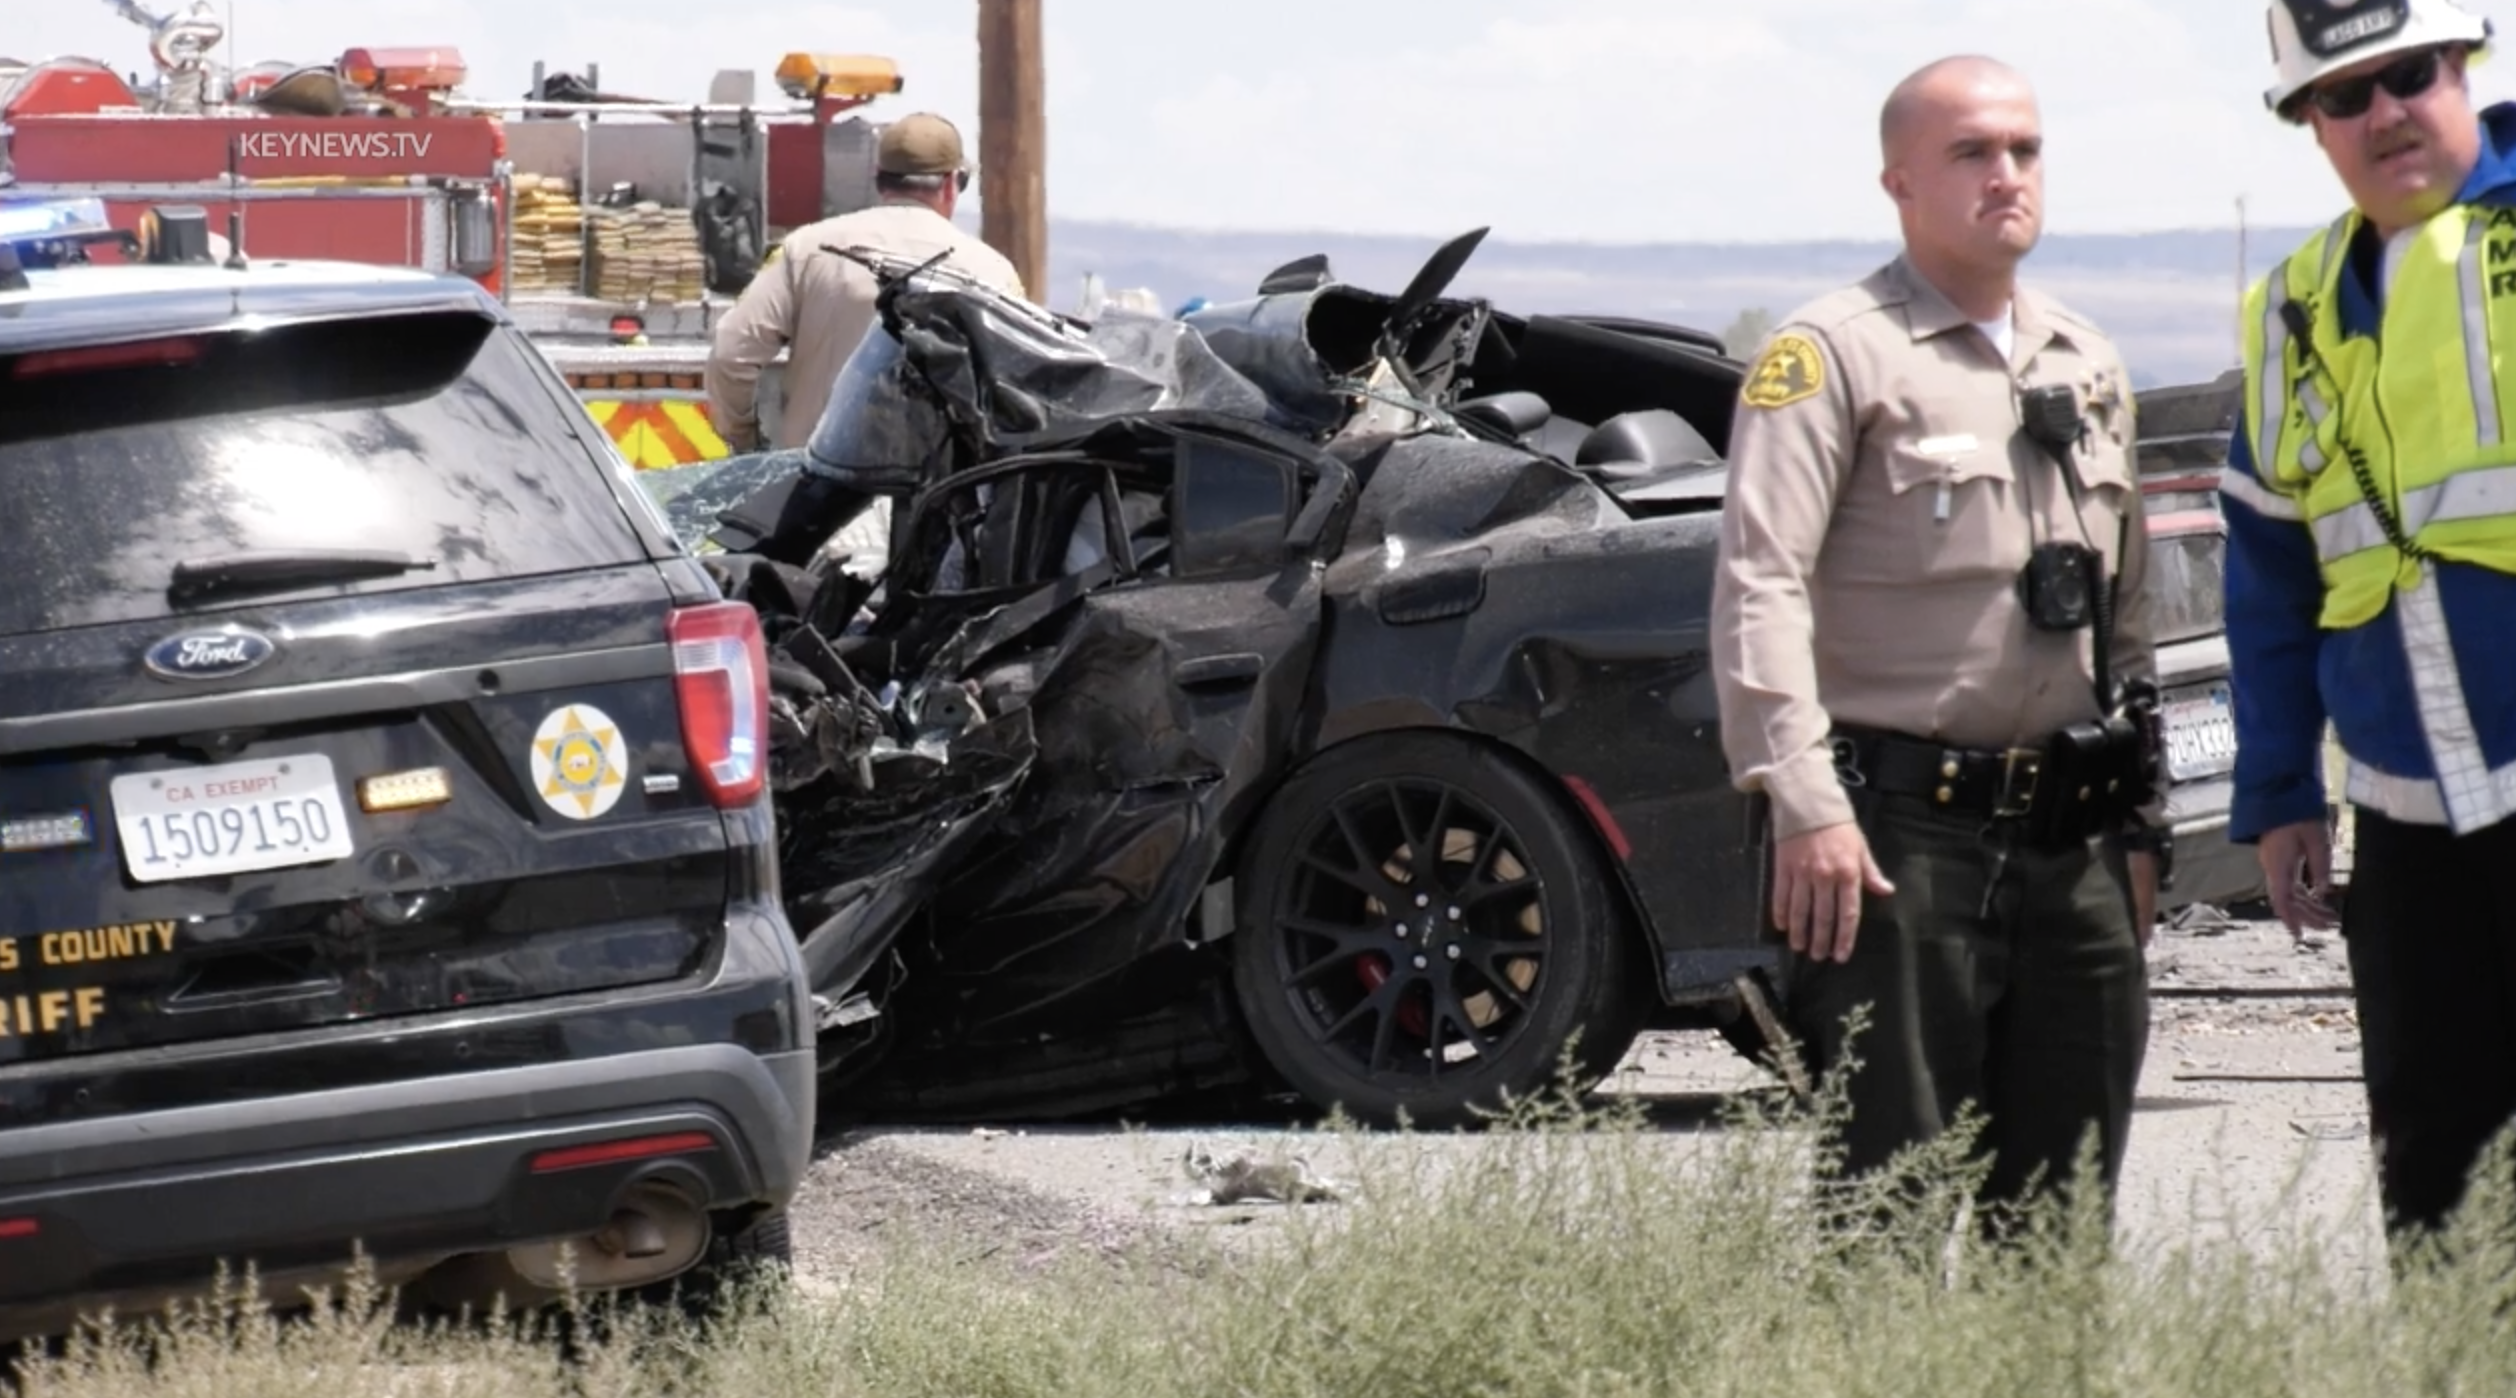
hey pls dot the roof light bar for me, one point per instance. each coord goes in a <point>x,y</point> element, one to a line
<point>805,76</point>
<point>52,218</point>
<point>47,233</point>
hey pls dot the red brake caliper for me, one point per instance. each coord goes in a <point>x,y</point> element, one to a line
<point>1373,970</point>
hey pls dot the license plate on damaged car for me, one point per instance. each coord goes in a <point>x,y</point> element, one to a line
<point>2200,734</point>
<point>235,818</point>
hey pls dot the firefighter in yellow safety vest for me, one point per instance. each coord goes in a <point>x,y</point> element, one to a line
<point>2370,497</point>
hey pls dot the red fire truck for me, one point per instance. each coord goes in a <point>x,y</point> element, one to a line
<point>664,208</point>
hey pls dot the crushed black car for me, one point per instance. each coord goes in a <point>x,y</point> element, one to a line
<point>1307,693</point>
<point>386,863</point>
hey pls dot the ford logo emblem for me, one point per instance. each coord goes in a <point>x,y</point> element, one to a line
<point>209,655</point>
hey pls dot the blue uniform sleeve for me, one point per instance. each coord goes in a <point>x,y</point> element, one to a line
<point>2273,594</point>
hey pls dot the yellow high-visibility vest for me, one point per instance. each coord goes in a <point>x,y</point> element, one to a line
<point>2422,416</point>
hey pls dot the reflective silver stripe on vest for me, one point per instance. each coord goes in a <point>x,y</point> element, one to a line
<point>2485,399</point>
<point>2354,530</point>
<point>2412,800</point>
<point>2474,798</point>
<point>2415,800</point>
<point>2256,496</point>
<point>2311,458</point>
<point>2467,793</point>
<point>2336,237</point>
<point>2311,454</point>
<point>2274,407</point>
<point>2469,495</point>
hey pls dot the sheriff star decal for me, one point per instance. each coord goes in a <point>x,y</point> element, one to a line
<point>1789,370</point>
<point>580,764</point>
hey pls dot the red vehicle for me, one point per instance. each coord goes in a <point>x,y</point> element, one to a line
<point>375,157</point>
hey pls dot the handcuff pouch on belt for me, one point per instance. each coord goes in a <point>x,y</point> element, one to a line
<point>2094,776</point>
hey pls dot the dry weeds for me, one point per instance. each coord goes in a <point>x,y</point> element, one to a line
<point>1565,1256</point>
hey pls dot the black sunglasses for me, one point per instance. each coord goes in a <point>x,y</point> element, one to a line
<point>2406,77</point>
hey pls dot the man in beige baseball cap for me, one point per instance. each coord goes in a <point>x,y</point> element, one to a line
<point>817,305</point>
<point>922,143</point>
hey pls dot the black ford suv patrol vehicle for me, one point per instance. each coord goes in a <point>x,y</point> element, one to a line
<point>385,860</point>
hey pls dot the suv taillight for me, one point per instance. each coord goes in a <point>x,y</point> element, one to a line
<point>721,673</point>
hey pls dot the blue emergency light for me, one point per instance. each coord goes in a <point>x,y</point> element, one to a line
<point>47,234</point>
<point>54,232</point>
<point>51,219</point>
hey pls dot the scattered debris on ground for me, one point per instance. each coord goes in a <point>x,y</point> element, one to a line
<point>1250,1177</point>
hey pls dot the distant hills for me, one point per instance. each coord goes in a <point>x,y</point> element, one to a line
<point>2169,299</point>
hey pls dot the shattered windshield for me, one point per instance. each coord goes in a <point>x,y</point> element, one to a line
<point>997,369</point>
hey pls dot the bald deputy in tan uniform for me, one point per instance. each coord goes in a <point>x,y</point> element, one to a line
<point>817,305</point>
<point>1898,657</point>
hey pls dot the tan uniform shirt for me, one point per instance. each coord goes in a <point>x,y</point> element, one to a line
<point>817,305</point>
<point>1881,503</point>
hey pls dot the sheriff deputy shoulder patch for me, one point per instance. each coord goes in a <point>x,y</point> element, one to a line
<point>1789,370</point>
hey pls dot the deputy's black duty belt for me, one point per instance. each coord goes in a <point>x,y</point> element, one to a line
<point>1999,783</point>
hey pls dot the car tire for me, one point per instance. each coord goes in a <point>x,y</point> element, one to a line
<point>1344,965</point>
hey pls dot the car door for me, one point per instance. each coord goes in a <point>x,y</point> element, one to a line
<point>1146,603</point>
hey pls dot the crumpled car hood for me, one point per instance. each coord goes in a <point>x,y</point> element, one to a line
<point>1010,766</point>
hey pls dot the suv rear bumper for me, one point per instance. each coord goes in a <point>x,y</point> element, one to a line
<point>413,1170</point>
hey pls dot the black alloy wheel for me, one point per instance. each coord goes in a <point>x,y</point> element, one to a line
<point>1425,924</point>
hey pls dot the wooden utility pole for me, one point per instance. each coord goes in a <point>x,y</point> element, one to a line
<point>1013,139</point>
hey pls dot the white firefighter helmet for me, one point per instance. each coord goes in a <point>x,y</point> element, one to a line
<point>2310,38</point>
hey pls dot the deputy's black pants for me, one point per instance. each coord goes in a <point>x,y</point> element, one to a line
<point>2430,921</point>
<point>2036,1008</point>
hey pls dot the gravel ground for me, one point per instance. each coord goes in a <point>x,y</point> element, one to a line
<point>2251,1085</point>
<point>874,1187</point>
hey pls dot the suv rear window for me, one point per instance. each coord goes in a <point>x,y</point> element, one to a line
<point>430,435</point>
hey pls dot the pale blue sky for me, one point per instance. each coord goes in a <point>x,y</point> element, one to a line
<point>1618,120</point>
